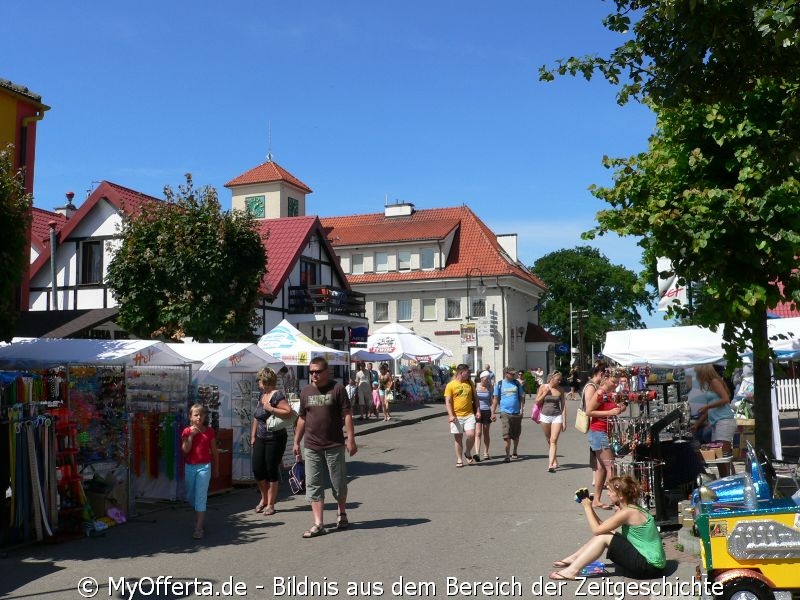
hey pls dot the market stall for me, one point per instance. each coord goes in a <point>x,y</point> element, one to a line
<point>296,350</point>
<point>80,398</point>
<point>225,382</point>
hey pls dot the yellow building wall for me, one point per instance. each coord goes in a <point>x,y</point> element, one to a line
<point>8,120</point>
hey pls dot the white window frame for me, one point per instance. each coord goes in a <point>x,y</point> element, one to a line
<point>431,253</point>
<point>404,314</point>
<point>381,262</point>
<point>426,305</point>
<point>377,308</point>
<point>452,309</point>
<point>401,262</point>
<point>357,264</point>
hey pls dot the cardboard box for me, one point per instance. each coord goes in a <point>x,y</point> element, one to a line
<point>708,454</point>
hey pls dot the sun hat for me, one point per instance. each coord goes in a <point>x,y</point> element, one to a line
<point>485,374</point>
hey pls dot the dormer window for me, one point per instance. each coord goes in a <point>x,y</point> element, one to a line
<point>426,256</point>
<point>357,264</point>
<point>404,260</point>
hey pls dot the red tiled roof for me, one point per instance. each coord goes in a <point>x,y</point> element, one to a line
<point>474,245</point>
<point>536,333</point>
<point>285,240</point>
<point>786,310</point>
<point>267,173</point>
<point>40,227</point>
<point>124,199</point>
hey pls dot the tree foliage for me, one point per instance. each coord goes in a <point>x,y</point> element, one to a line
<point>186,268</point>
<point>583,279</point>
<point>15,207</point>
<point>717,190</point>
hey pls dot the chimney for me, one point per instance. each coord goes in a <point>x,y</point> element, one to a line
<point>69,208</point>
<point>508,242</point>
<point>398,209</point>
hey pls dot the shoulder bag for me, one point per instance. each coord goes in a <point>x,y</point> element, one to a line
<point>581,418</point>
<point>276,423</point>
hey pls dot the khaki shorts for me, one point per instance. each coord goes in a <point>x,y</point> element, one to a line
<point>512,425</point>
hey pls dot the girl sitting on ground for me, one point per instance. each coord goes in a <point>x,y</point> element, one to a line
<point>636,547</point>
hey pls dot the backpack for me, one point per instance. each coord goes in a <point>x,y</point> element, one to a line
<point>297,478</point>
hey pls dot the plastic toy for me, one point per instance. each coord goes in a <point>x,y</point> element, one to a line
<point>750,539</point>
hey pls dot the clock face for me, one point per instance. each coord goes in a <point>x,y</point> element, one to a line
<point>293,207</point>
<point>255,206</point>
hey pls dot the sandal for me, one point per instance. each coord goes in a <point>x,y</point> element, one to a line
<point>260,507</point>
<point>560,564</point>
<point>268,512</point>
<point>514,457</point>
<point>341,521</point>
<point>476,458</point>
<point>198,534</point>
<point>316,530</point>
<point>459,464</point>
<point>486,457</point>
<point>469,459</point>
<point>558,576</point>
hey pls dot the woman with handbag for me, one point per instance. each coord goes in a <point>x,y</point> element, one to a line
<point>599,408</point>
<point>552,416</point>
<point>268,439</point>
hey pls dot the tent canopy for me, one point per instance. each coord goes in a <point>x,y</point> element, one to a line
<point>234,355</point>
<point>397,342</point>
<point>289,346</point>
<point>43,352</point>
<point>362,354</point>
<point>690,345</point>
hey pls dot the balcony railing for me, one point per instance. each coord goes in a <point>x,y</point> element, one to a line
<point>325,299</point>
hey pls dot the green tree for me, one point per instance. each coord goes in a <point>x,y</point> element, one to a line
<point>15,207</point>
<point>717,190</point>
<point>584,280</point>
<point>186,268</point>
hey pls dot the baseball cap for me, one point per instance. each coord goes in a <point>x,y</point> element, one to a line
<point>485,374</point>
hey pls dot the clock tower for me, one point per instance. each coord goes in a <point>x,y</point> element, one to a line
<point>269,191</point>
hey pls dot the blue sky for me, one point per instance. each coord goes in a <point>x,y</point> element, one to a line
<point>436,103</point>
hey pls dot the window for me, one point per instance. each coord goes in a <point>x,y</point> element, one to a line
<point>255,206</point>
<point>478,308</point>
<point>453,308</point>
<point>292,208</point>
<point>429,309</point>
<point>357,264</point>
<point>404,260</point>
<point>381,262</point>
<point>309,273</point>
<point>381,311</point>
<point>92,262</point>
<point>426,258</point>
<point>404,310</point>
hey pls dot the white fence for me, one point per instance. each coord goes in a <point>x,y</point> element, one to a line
<point>787,394</point>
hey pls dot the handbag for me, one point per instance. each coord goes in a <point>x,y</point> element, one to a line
<point>277,424</point>
<point>536,412</point>
<point>581,418</point>
<point>581,421</point>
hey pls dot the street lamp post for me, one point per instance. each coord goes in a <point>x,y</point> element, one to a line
<point>580,314</point>
<point>481,289</point>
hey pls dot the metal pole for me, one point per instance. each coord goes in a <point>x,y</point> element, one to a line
<point>571,337</point>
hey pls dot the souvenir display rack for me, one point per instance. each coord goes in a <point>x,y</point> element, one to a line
<point>157,400</point>
<point>244,397</point>
<point>653,445</point>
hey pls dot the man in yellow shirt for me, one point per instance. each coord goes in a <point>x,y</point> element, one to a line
<point>462,411</point>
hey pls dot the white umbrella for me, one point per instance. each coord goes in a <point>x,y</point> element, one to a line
<point>362,354</point>
<point>400,342</point>
<point>288,345</point>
